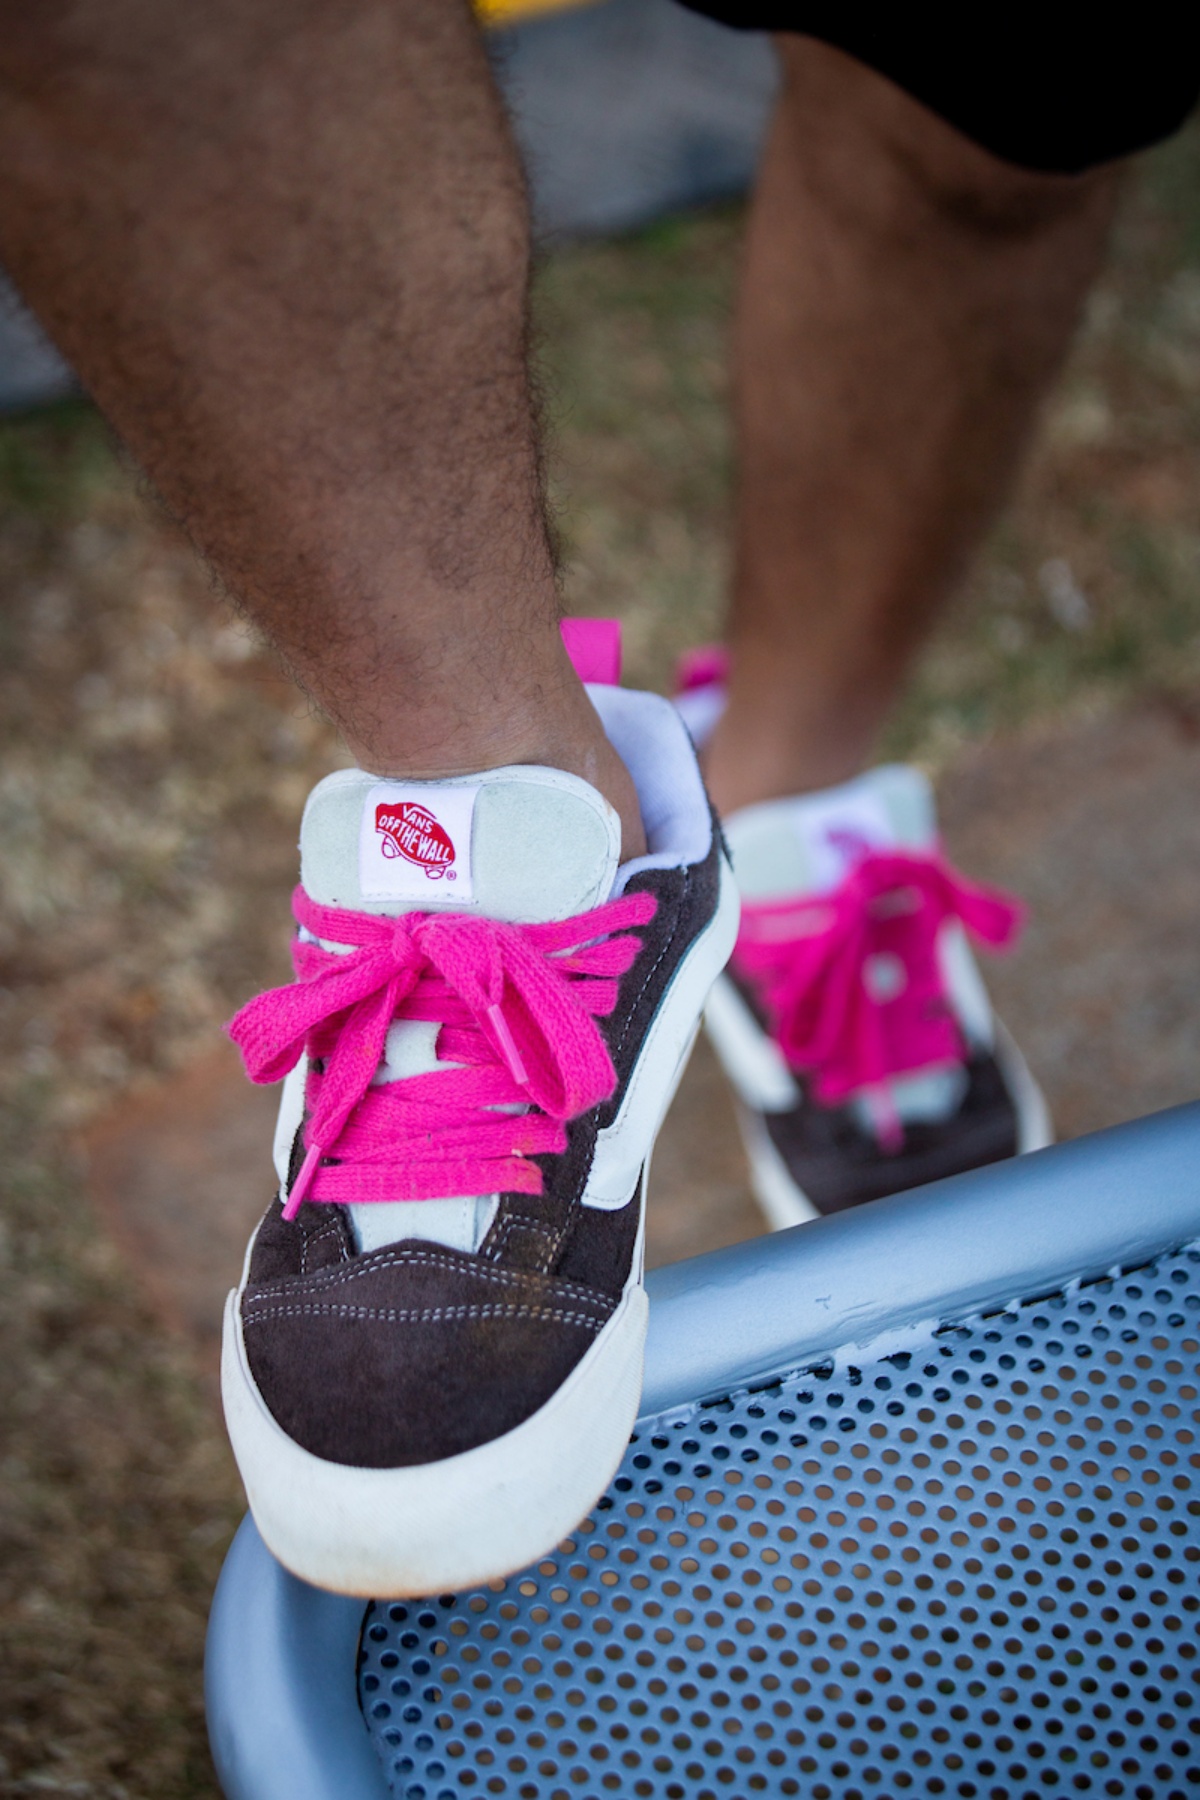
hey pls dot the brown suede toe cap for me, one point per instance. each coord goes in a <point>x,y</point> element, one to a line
<point>414,1352</point>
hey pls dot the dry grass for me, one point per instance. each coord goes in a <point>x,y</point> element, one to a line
<point>152,766</point>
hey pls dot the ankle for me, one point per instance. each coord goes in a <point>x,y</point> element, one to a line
<point>744,767</point>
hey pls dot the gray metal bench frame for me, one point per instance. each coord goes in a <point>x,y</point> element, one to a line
<point>281,1668</point>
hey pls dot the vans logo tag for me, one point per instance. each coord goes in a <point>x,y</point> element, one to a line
<point>414,843</point>
<point>413,832</point>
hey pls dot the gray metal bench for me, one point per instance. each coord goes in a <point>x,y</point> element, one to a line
<point>914,1509</point>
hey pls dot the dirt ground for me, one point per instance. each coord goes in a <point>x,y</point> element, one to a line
<point>153,762</point>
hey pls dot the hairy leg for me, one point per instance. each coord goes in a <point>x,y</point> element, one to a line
<point>906,300</point>
<point>286,245</point>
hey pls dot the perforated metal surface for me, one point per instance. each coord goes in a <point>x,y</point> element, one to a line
<point>971,1569</point>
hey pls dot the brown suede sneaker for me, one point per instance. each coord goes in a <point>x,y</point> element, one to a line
<point>433,1363</point>
<point>853,1023</point>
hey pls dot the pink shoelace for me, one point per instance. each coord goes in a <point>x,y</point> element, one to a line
<point>517,1006</point>
<point>850,981</point>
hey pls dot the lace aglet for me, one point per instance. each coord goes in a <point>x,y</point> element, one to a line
<point>303,1182</point>
<point>507,1046</point>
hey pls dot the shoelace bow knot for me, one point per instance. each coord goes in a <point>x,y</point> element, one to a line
<point>517,1008</point>
<point>823,968</point>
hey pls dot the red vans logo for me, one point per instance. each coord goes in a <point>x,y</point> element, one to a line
<point>410,831</point>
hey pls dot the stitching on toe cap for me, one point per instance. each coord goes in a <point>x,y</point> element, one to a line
<point>361,1267</point>
<point>430,1315</point>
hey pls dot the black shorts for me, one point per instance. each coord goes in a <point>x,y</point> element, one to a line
<point>1048,94</point>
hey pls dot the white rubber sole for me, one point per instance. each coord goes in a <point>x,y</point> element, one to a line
<point>783,1201</point>
<point>444,1526</point>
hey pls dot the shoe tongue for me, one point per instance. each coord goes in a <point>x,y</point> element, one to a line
<point>518,844</point>
<point>808,844</point>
